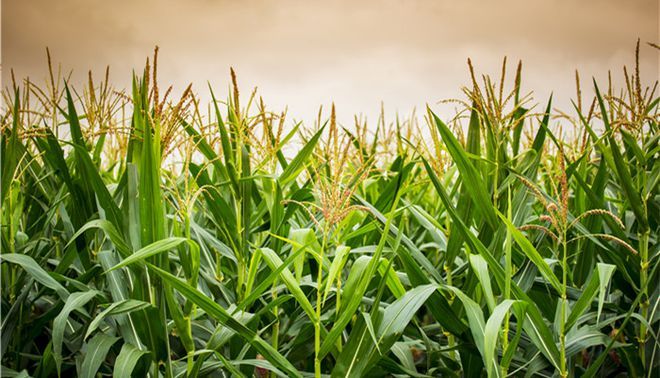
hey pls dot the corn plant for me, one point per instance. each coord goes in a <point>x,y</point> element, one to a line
<point>145,233</point>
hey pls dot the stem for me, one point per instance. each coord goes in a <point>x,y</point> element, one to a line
<point>317,324</point>
<point>507,295</point>
<point>276,326</point>
<point>564,305</point>
<point>644,303</point>
<point>496,178</point>
<point>12,241</point>
<point>451,341</point>
<point>317,347</point>
<point>188,317</point>
<point>241,256</point>
<point>338,307</point>
<point>162,305</point>
<point>240,279</point>
<point>508,272</point>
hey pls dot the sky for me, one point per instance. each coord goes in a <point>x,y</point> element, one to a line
<point>303,54</point>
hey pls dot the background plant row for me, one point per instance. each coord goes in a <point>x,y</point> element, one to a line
<point>148,235</point>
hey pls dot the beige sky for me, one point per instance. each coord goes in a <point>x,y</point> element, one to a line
<point>357,53</point>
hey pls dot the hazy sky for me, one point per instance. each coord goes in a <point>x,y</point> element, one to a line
<point>357,53</point>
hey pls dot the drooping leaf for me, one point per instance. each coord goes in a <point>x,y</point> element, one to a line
<point>97,350</point>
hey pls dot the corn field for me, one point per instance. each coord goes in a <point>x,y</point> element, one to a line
<point>148,233</point>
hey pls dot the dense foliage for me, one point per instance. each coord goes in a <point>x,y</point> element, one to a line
<point>141,235</point>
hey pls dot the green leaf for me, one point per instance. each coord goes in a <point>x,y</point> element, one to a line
<point>338,262</point>
<point>110,231</point>
<point>304,238</point>
<point>480,268</point>
<point>474,315</point>
<point>90,172</point>
<point>469,174</point>
<point>10,150</point>
<point>605,272</point>
<point>624,178</point>
<point>595,366</point>
<point>297,164</point>
<point>275,262</point>
<point>122,307</point>
<point>220,314</point>
<point>413,260</point>
<point>76,301</point>
<point>127,360</point>
<point>355,295</point>
<point>535,327</point>
<point>531,252</point>
<point>584,338</point>
<point>97,350</point>
<point>182,324</point>
<point>360,354</point>
<point>582,304</point>
<point>152,249</point>
<point>372,331</point>
<point>267,282</point>
<point>38,273</point>
<point>492,334</point>
<point>205,148</point>
<point>227,149</point>
<point>400,312</point>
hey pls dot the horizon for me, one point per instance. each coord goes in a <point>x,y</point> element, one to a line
<point>400,54</point>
